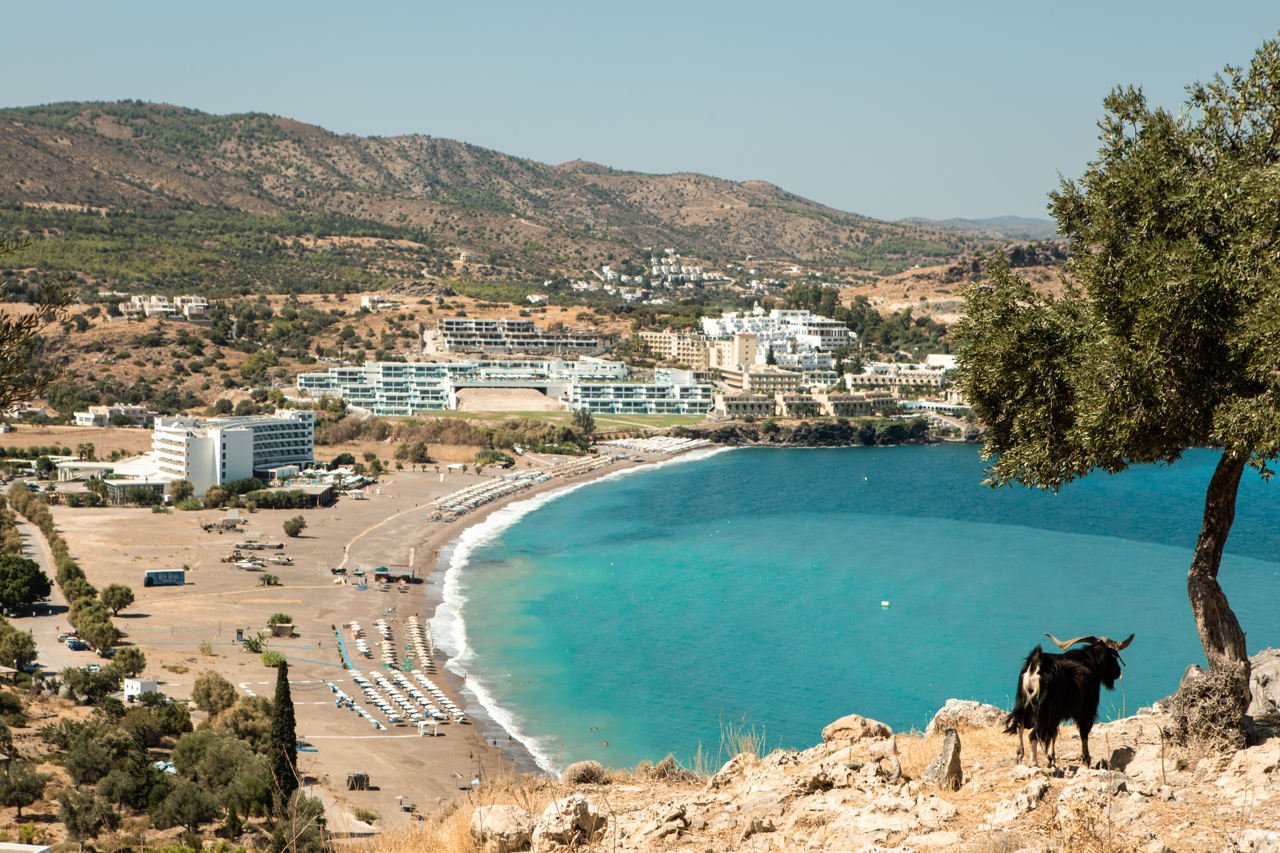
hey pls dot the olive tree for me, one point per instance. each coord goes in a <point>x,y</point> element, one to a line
<point>1168,334</point>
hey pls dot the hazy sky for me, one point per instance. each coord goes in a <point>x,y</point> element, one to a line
<point>890,109</point>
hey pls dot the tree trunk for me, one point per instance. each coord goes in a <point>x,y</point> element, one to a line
<point>1220,632</point>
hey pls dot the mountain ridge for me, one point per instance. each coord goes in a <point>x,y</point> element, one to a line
<point>529,217</point>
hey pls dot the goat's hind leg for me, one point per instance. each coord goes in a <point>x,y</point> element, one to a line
<point>1084,750</point>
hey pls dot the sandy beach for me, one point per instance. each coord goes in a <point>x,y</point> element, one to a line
<point>186,630</point>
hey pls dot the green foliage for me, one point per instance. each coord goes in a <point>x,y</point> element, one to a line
<point>85,815</point>
<point>283,741</point>
<point>21,785</point>
<point>189,805</point>
<point>212,693</point>
<point>243,486</point>
<point>22,583</point>
<point>415,452</point>
<point>901,331</point>
<point>180,490</point>
<point>217,253</point>
<point>248,719</point>
<point>1170,334</point>
<point>273,499</point>
<point>116,597</point>
<point>130,660</point>
<point>272,659</point>
<point>584,422</point>
<point>91,687</point>
<point>294,526</point>
<point>493,457</point>
<point>280,619</point>
<point>214,497</point>
<point>190,504</point>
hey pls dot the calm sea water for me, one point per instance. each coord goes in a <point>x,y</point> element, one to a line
<point>653,611</point>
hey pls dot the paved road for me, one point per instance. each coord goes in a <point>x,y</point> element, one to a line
<point>52,655</point>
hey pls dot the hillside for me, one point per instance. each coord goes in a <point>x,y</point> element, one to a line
<point>231,194</point>
<point>1010,227</point>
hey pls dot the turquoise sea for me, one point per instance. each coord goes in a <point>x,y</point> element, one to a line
<point>652,610</point>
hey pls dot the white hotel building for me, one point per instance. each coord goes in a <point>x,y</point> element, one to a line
<point>797,338</point>
<point>210,452</point>
<point>599,385</point>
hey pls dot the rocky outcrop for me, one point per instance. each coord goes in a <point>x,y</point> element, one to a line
<point>569,822</point>
<point>1264,682</point>
<point>502,829</point>
<point>944,771</point>
<point>961,714</point>
<point>855,728</point>
<point>864,788</point>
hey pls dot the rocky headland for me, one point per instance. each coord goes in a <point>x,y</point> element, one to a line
<point>957,786</point>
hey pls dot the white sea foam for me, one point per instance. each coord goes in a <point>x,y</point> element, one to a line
<point>448,626</point>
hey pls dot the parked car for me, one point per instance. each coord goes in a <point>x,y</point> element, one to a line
<point>76,644</point>
<point>338,570</point>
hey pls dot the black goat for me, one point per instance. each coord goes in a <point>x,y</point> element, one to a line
<point>1053,688</point>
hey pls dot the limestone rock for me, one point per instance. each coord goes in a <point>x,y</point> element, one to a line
<point>964,713</point>
<point>1258,841</point>
<point>502,829</point>
<point>1264,682</point>
<point>855,727</point>
<point>933,811</point>
<point>584,773</point>
<point>670,821</point>
<point>1024,801</point>
<point>573,820</point>
<point>733,770</point>
<point>944,771</point>
<point>757,826</point>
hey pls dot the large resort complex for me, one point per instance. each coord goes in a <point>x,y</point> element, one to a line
<point>740,364</point>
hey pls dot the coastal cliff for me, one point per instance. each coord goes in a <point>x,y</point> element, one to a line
<point>957,786</point>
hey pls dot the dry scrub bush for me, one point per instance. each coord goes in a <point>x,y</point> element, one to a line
<point>584,773</point>
<point>1206,713</point>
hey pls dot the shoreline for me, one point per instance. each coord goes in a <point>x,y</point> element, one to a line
<point>521,747</point>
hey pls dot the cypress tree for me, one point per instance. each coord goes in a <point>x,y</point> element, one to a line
<point>283,741</point>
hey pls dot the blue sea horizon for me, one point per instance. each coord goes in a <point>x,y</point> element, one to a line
<point>646,614</point>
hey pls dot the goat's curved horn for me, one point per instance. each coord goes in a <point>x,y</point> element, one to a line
<point>1069,643</point>
<point>1107,641</point>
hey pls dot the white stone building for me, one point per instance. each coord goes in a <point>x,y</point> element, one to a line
<point>218,450</point>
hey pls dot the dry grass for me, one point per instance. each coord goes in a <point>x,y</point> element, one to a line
<point>735,739</point>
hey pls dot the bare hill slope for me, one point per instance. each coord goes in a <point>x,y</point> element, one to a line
<point>134,155</point>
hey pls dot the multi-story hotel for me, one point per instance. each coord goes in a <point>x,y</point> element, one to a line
<point>466,334</point>
<point>210,452</point>
<point>681,347</point>
<point>397,388</point>
<point>672,392</point>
